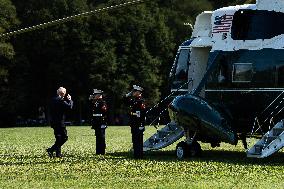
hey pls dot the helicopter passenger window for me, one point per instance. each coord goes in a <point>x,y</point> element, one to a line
<point>257,24</point>
<point>242,72</point>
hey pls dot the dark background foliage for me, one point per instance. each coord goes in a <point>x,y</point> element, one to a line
<point>110,51</point>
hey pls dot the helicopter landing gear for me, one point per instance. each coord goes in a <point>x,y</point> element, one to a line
<point>181,150</point>
<point>184,150</point>
<point>190,148</point>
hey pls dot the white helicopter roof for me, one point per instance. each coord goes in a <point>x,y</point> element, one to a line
<point>222,19</point>
<point>213,29</point>
<point>271,5</point>
<point>232,9</point>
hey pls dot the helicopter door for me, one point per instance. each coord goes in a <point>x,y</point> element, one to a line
<point>197,68</point>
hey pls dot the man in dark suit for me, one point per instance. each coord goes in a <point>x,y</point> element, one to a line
<point>59,105</point>
<point>137,119</point>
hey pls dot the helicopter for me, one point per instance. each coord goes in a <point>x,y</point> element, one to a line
<point>230,81</point>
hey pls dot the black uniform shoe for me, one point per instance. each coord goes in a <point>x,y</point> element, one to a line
<point>49,152</point>
<point>58,153</point>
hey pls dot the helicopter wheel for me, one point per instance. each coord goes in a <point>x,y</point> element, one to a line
<point>182,150</point>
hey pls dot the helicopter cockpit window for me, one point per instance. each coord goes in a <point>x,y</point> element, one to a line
<point>257,24</point>
<point>242,72</point>
<point>180,73</point>
<point>182,65</point>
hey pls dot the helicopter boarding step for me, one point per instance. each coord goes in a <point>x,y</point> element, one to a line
<point>164,137</point>
<point>270,143</point>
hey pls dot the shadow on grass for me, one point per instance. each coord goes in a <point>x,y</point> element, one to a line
<point>26,159</point>
<point>44,159</point>
<point>230,157</point>
<point>12,159</point>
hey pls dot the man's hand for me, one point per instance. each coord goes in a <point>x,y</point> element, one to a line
<point>69,97</point>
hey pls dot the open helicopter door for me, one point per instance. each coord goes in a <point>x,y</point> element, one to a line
<point>179,79</point>
<point>200,49</point>
<point>189,67</point>
<point>197,68</point>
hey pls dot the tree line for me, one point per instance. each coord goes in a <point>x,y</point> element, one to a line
<point>110,51</point>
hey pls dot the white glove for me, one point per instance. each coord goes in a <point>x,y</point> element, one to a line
<point>141,128</point>
<point>69,97</point>
<point>128,94</point>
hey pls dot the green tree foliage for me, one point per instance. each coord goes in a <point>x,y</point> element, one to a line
<point>111,51</point>
<point>8,20</point>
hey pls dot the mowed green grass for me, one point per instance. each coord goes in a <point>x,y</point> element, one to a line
<point>24,163</point>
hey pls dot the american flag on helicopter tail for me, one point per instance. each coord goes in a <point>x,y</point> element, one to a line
<point>223,23</point>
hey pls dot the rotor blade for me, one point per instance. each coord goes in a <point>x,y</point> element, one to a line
<point>68,18</point>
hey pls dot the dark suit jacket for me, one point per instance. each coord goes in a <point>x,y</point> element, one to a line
<point>59,107</point>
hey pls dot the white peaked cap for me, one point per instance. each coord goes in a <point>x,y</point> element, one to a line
<point>97,91</point>
<point>137,88</point>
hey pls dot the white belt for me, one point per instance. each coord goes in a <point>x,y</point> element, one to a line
<point>97,115</point>
<point>137,113</point>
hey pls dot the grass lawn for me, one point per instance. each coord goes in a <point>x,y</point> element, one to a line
<point>24,163</point>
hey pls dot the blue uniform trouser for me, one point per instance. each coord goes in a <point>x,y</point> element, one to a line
<point>100,140</point>
<point>137,141</point>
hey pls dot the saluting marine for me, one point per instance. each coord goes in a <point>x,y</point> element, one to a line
<point>137,119</point>
<point>99,116</point>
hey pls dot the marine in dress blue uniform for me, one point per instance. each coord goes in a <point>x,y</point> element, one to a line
<point>99,119</point>
<point>137,119</point>
<point>59,106</point>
